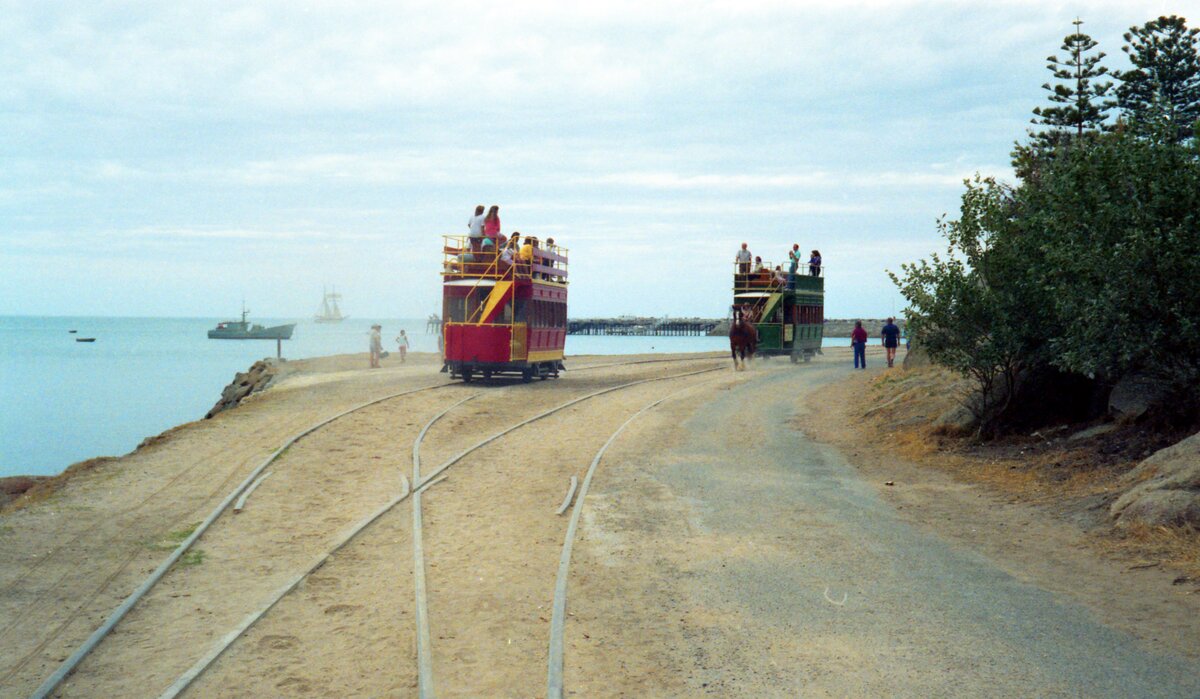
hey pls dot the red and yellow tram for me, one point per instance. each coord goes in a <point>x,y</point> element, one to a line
<point>504,312</point>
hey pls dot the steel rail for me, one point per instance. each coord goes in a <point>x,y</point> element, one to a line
<point>554,670</point>
<point>119,613</point>
<point>426,683</point>
<point>72,661</point>
<point>228,639</point>
<point>424,644</point>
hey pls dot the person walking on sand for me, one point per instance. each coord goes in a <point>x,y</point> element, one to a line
<point>402,345</point>
<point>376,346</point>
<point>858,340</point>
<point>891,339</point>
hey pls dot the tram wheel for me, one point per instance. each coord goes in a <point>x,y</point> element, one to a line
<point>795,358</point>
<point>526,375</point>
<point>487,374</point>
<point>466,374</point>
<point>808,357</point>
<point>543,372</point>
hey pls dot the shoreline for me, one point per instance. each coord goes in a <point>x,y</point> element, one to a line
<point>15,487</point>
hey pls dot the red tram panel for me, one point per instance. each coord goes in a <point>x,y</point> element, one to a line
<point>503,315</point>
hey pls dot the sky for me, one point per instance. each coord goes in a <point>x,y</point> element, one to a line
<point>175,159</point>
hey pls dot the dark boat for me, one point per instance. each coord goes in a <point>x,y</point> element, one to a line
<point>85,339</point>
<point>72,331</point>
<point>242,330</point>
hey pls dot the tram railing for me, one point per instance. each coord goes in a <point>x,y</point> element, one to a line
<point>751,277</point>
<point>467,257</point>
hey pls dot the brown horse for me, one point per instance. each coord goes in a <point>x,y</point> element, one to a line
<point>743,340</point>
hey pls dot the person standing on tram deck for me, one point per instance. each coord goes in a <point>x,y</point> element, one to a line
<point>858,340</point>
<point>491,224</point>
<point>475,228</point>
<point>743,260</point>
<point>891,339</point>
<point>793,263</point>
<point>814,264</point>
<point>376,346</point>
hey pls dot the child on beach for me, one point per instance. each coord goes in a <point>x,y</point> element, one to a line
<point>402,343</point>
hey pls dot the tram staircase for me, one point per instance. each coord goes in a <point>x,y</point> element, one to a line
<point>495,300</point>
<point>764,307</point>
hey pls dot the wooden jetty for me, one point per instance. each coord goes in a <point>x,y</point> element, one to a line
<point>627,325</point>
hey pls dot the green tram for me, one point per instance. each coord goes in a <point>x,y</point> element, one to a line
<point>789,316</point>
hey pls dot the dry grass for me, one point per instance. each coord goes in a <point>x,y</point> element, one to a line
<point>48,487</point>
<point>1067,477</point>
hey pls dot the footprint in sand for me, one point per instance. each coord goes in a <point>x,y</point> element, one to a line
<point>343,608</point>
<point>278,642</point>
<point>296,684</point>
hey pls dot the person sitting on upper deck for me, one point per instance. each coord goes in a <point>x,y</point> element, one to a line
<point>780,277</point>
<point>814,264</point>
<point>507,254</point>
<point>526,254</point>
<point>475,228</point>
<point>491,224</point>
<point>758,265</point>
<point>549,262</point>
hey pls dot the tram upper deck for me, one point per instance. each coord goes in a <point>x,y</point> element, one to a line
<point>467,259</point>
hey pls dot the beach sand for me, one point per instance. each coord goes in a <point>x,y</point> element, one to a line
<point>697,489</point>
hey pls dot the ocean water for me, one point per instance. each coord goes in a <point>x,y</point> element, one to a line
<point>63,401</point>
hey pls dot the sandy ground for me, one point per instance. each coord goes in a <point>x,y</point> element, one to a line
<point>722,551</point>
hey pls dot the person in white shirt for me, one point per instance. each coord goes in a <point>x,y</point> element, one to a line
<point>743,260</point>
<point>475,226</point>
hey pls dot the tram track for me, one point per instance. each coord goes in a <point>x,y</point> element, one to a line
<point>421,481</point>
<point>71,662</point>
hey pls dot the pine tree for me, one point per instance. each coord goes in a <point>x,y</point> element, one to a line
<point>1082,101</point>
<point>1165,80</point>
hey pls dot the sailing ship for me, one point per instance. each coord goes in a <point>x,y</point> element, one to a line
<point>242,330</point>
<point>329,311</point>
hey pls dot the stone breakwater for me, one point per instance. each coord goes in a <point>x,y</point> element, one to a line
<point>257,378</point>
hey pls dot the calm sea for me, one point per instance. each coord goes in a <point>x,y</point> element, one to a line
<point>63,401</point>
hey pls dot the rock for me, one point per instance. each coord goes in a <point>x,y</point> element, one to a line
<point>1092,432</point>
<point>915,357</point>
<point>257,378</point>
<point>1167,490</point>
<point>957,420</point>
<point>1135,395</point>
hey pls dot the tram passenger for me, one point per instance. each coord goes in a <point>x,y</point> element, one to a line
<point>814,264</point>
<point>780,277</point>
<point>743,260</point>
<point>549,262</point>
<point>491,224</point>
<point>475,228</point>
<point>793,263</point>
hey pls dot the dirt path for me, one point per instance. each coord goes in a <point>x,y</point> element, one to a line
<point>729,555</point>
<point>721,552</point>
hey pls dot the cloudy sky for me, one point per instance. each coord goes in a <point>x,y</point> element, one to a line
<point>174,158</point>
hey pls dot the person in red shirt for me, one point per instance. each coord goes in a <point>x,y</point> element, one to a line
<point>858,340</point>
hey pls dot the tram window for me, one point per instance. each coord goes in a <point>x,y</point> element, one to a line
<point>455,309</point>
<point>520,311</point>
<point>507,314</point>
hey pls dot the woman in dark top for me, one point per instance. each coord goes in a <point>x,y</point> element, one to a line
<point>858,340</point>
<point>814,263</point>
